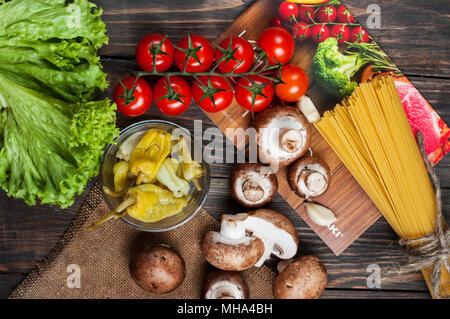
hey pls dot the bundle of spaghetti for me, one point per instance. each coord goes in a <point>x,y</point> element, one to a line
<point>370,133</point>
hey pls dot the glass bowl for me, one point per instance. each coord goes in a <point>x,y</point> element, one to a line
<point>196,200</point>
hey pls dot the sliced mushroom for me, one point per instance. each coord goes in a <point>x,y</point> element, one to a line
<point>247,240</point>
<point>309,176</point>
<point>225,285</point>
<point>304,278</point>
<point>276,231</point>
<point>253,184</point>
<point>283,135</point>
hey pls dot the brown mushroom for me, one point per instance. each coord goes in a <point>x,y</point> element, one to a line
<point>309,176</point>
<point>232,254</point>
<point>283,135</point>
<point>253,184</point>
<point>225,285</point>
<point>304,278</point>
<point>247,240</point>
<point>157,269</point>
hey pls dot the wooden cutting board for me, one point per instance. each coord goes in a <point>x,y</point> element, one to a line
<point>354,209</point>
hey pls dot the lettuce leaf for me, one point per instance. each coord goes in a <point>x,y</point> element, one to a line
<point>52,134</point>
<point>50,148</point>
<point>53,45</point>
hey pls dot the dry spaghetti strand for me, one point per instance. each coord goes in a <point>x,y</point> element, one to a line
<point>370,133</point>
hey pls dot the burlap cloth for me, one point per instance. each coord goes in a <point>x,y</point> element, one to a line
<point>103,257</point>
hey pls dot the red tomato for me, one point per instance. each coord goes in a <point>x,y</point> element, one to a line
<point>360,35</point>
<point>288,11</point>
<point>278,45</point>
<point>199,49</point>
<point>295,83</point>
<point>244,55</point>
<point>244,95</point>
<point>344,16</point>
<point>326,14</point>
<point>276,22</point>
<point>217,88</point>
<point>136,99</point>
<point>320,33</point>
<point>341,33</point>
<point>172,99</point>
<point>300,31</point>
<point>149,44</point>
<point>306,14</point>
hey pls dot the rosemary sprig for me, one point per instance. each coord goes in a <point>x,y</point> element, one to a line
<point>372,53</point>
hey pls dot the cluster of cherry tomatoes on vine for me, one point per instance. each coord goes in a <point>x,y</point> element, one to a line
<point>252,72</point>
<point>319,22</point>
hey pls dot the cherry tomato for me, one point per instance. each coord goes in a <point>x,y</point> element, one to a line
<point>134,101</point>
<point>200,50</point>
<point>244,55</point>
<point>300,31</point>
<point>344,16</point>
<point>288,11</point>
<point>173,98</point>
<point>276,22</point>
<point>360,35</point>
<point>320,33</point>
<point>244,96</point>
<point>306,14</point>
<point>214,86</point>
<point>326,14</point>
<point>295,83</point>
<point>144,55</point>
<point>341,33</point>
<point>278,45</point>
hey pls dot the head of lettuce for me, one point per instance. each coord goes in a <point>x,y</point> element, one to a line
<point>52,134</point>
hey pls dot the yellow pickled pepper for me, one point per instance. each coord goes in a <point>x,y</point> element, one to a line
<point>148,155</point>
<point>153,203</point>
<point>121,179</point>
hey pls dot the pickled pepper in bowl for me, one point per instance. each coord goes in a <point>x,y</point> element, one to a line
<point>148,155</point>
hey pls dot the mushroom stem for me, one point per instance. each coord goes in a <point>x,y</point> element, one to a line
<point>290,140</point>
<point>252,191</point>
<point>315,181</point>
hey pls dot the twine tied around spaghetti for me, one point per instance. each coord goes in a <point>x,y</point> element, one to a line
<point>431,250</point>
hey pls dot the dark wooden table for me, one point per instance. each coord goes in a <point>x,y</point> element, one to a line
<point>413,32</point>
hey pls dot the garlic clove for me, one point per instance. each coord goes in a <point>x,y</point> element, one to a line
<point>309,110</point>
<point>319,214</point>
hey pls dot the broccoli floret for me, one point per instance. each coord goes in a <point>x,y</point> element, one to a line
<point>333,70</point>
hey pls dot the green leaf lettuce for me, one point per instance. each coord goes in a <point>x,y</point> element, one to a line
<point>52,134</point>
<point>50,148</point>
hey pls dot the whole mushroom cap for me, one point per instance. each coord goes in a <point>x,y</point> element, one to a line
<point>285,127</point>
<point>304,278</point>
<point>253,184</point>
<point>157,269</point>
